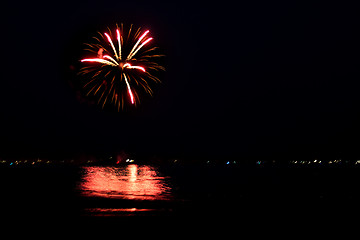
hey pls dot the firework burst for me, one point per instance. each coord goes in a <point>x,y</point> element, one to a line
<point>121,64</point>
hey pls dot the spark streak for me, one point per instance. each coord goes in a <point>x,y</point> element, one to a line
<point>112,45</point>
<point>136,44</point>
<point>129,89</point>
<point>99,60</point>
<point>128,65</point>
<point>119,41</point>
<point>111,59</point>
<point>148,40</point>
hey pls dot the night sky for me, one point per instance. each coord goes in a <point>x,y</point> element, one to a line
<point>243,80</point>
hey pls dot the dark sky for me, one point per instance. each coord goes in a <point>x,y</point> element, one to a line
<point>248,79</point>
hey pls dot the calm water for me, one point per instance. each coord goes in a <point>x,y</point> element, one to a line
<point>145,190</point>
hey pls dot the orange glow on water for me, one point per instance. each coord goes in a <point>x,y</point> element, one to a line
<point>129,182</point>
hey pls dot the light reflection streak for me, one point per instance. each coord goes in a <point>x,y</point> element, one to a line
<point>110,212</point>
<point>129,182</point>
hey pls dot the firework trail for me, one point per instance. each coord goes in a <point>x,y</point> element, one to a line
<point>120,72</point>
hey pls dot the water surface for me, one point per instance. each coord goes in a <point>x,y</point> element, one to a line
<point>146,190</point>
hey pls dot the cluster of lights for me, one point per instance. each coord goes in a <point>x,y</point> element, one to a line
<point>34,162</point>
<point>27,162</point>
<point>323,162</point>
<point>229,162</point>
<point>45,162</point>
<point>293,162</point>
<point>304,162</point>
<point>315,162</point>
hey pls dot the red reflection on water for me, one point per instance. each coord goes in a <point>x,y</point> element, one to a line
<point>128,182</point>
<point>105,212</point>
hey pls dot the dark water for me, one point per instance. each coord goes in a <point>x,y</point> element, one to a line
<point>178,191</point>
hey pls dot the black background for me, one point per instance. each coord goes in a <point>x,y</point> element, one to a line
<point>250,79</point>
